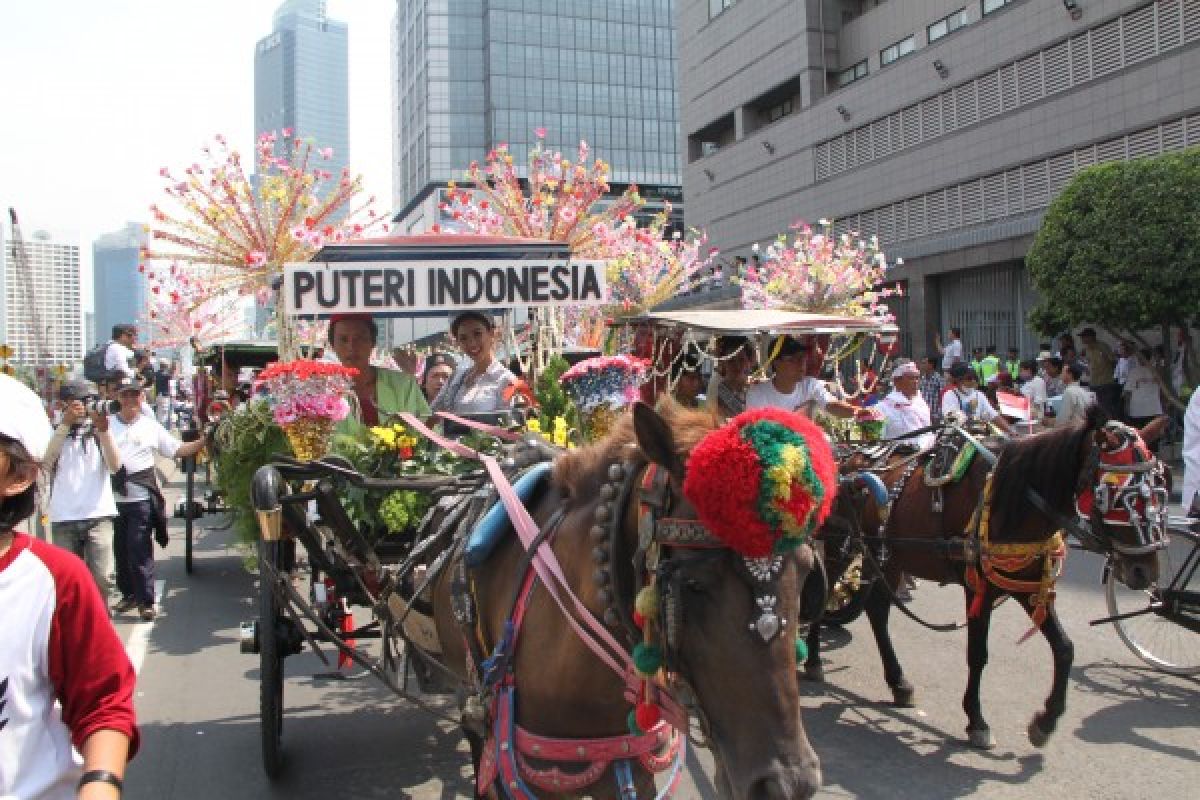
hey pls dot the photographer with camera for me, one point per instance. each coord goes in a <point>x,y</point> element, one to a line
<point>80,458</point>
<point>141,508</point>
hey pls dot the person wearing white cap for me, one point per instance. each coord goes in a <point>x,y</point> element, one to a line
<point>66,684</point>
<point>904,409</point>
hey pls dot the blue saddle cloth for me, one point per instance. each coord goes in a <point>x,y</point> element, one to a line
<point>495,524</point>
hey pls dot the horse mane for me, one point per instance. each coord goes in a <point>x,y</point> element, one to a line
<point>580,473</point>
<point>1048,463</point>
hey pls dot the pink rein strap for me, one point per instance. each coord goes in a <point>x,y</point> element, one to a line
<point>597,638</point>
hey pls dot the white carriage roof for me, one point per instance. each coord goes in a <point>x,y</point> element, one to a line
<point>750,321</point>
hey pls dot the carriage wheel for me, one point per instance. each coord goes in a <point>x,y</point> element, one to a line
<point>189,467</point>
<point>1167,644</point>
<point>271,652</point>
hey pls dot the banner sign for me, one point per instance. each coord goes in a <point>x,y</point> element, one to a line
<point>400,287</point>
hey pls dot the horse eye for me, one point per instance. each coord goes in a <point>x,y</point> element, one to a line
<point>693,585</point>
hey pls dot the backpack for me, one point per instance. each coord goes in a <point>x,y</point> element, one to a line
<point>93,364</point>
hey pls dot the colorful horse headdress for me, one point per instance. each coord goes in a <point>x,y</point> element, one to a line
<point>763,482</point>
<point>1120,495</point>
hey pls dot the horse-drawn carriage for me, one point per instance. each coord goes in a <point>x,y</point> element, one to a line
<point>610,588</point>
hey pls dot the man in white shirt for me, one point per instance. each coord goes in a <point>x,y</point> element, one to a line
<point>1075,399</point>
<point>118,358</point>
<point>952,353</point>
<point>1191,456</point>
<point>964,397</point>
<point>904,409</point>
<point>141,512</point>
<point>1033,387</point>
<point>1141,388</point>
<point>789,387</point>
<point>80,457</point>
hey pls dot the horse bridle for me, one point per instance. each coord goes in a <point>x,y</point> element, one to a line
<point>1146,483</point>
<point>660,540</point>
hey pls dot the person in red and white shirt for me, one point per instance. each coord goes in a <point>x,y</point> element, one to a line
<point>67,725</point>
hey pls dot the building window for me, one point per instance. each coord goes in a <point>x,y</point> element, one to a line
<point>994,5</point>
<point>715,7</point>
<point>780,111</point>
<point>851,74</point>
<point>947,25</point>
<point>901,48</point>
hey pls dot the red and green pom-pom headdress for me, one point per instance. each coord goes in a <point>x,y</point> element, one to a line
<point>763,482</point>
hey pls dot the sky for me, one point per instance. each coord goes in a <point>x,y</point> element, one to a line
<point>100,94</point>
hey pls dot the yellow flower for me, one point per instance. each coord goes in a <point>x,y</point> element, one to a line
<point>533,426</point>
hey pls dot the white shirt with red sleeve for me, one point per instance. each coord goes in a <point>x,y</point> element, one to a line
<point>64,673</point>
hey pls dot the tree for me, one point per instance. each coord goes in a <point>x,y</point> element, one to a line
<point>1120,248</point>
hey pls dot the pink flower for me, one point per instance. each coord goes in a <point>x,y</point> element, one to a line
<point>539,133</point>
<point>326,153</point>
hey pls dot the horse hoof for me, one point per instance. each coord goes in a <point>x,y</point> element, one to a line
<point>981,739</point>
<point>813,671</point>
<point>904,696</point>
<point>1037,736</point>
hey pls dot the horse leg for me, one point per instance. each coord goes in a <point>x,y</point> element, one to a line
<point>813,670</point>
<point>878,604</point>
<point>1043,724</point>
<point>979,733</point>
<point>475,742</point>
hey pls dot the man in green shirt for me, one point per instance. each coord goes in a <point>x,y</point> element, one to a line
<point>989,365</point>
<point>1012,364</point>
<point>1101,365</point>
<point>382,393</point>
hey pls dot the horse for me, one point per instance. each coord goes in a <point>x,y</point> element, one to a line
<point>990,537</point>
<point>744,686</point>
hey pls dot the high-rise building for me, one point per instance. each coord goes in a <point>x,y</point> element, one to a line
<point>301,79</point>
<point>469,75</point>
<point>118,287</point>
<point>42,317</point>
<point>944,126</point>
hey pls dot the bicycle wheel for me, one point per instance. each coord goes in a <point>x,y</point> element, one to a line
<point>1155,636</point>
<point>189,515</point>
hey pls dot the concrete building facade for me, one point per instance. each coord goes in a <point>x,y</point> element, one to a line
<point>943,126</point>
<point>118,288</point>
<point>42,317</point>
<point>301,79</point>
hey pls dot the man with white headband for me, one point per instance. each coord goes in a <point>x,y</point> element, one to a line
<point>904,409</point>
<point>66,685</point>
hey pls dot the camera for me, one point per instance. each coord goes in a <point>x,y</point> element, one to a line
<point>98,405</point>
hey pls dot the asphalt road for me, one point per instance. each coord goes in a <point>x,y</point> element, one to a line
<point>1129,732</point>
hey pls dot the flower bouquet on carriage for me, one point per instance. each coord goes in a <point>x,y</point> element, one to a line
<point>307,400</point>
<point>601,389</point>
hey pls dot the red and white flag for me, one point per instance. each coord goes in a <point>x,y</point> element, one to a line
<point>1013,405</point>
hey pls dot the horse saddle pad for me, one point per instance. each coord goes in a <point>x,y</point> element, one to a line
<point>495,524</point>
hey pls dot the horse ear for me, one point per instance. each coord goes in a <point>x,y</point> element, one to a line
<point>655,439</point>
<point>1154,429</point>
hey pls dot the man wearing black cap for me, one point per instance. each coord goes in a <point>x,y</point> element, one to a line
<point>790,388</point>
<point>80,458</point>
<point>141,510</point>
<point>686,381</point>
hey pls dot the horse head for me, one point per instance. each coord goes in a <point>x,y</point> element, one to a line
<point>728,620</point>
<point>1123,494</point>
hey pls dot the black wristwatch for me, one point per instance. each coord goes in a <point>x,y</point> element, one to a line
<point>100,776</point>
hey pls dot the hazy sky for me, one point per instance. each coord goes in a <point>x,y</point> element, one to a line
<point>99,94</point>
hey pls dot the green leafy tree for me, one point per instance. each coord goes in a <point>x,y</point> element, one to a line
<point>1120,248</point>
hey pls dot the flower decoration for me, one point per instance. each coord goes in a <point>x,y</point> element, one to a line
<point>557,198</point>
<point>818,271</point>
<point>395,439</point>
<point>558,434</point>
<point>234,235</point>
<point>184,307</point>
<point>307,398</point>
<point>763,482</point>
<point>601,387</point>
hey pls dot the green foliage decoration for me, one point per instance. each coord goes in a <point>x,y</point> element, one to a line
<point>246,439</point>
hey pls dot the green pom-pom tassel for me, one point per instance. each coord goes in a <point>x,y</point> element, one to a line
<point>631,721</point>
<point>647,659</point>
<point>801,651</point>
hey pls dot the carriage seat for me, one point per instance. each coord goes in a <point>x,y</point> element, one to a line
<point>495,525</point>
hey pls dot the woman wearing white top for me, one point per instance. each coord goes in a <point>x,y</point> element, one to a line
<point>1145,402</point>
<point>479,385</point>
<point>789,388</point>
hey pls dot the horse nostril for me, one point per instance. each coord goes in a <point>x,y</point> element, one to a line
<point>786,784</point>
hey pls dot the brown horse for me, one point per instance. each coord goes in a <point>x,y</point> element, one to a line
<point>745,692</point>
<point>914,539</point>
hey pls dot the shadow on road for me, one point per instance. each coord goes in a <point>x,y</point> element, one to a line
<point>850,732</point>
<point>1147,701</point>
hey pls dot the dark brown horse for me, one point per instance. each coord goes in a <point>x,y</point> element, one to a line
<point>913,538</point>
<point>745,691</point>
